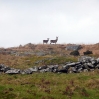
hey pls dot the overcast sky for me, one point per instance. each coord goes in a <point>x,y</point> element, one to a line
<point>31,21</point>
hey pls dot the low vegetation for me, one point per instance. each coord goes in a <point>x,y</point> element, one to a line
<point>23,62</point>
<point>48,85</point>
<point>87,52</point>
<point>75,53</point>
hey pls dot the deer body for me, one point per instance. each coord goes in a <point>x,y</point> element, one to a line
<point>54,41</point>
<point>46,41</point>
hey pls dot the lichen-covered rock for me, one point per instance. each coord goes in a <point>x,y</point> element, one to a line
<point>13,71</point>
<point>30,70</point>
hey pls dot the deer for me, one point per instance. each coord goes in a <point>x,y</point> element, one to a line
<point>54,41</point>
<point>46,41</point>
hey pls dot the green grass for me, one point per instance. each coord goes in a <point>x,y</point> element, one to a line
<point>50,86</point>
<point>59,60</point>
<point>23,62</point>
<point>47,85</point>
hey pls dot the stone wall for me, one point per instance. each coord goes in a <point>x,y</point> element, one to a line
<point>83,64</point>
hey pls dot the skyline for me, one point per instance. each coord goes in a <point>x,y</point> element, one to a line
<point>32,21</point>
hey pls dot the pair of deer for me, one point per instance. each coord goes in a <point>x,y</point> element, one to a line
<point>51,41</point>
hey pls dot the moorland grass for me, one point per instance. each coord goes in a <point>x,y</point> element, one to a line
<point>50,86</point>
<point>23,62</point>
<point>47,85</point>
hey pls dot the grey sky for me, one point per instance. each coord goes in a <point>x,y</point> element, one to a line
<point>25,21</point>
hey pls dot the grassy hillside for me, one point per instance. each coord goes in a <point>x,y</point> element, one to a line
<point>58,48</point>
<point>48,85</point>
<point>23,62</point>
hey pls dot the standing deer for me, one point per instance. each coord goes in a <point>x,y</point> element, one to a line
<point>54,41</point>
<point>46,41</point>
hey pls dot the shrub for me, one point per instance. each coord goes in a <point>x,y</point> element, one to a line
<point>87,52</point>
<point>75,53</point>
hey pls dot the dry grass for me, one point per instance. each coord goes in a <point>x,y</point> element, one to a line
<point>59,48</point>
